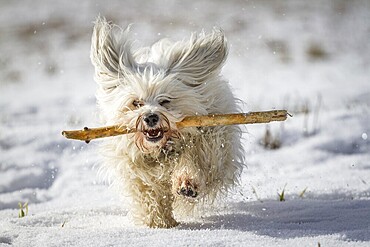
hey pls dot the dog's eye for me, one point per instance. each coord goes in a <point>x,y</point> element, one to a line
<point>111,88</point>
<point>137,103</point>
<point>164,102</point>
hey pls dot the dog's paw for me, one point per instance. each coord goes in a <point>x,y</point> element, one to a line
<point>187,188</point>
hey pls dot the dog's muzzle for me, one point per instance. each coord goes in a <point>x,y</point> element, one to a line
<point>153,131</point>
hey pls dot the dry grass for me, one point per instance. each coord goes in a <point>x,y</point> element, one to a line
<point>23,209</point>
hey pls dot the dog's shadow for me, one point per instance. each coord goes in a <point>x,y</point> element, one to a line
<point>295,218</point>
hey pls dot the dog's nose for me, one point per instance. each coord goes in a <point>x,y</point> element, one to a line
<point>151,119</point>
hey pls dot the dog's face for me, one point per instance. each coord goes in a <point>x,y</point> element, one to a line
<point>150,104</point>
<point>150,89</point>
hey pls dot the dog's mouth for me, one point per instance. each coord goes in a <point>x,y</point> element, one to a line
<point>154,135</point>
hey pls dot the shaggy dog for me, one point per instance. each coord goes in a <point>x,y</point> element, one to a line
<point>166,171</point>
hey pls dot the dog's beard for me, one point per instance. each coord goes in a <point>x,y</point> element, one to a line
<point>155,138</point>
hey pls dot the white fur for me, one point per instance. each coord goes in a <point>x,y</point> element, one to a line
<point>173,80</point>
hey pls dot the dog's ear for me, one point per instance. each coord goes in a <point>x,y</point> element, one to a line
<point>200,58</point>
<point>110,53</point>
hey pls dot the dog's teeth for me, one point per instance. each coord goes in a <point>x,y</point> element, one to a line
<point>152,134</point>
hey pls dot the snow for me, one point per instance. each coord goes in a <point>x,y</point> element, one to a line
<point>284,54</point>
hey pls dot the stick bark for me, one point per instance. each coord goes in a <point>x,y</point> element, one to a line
<point>88,134</point>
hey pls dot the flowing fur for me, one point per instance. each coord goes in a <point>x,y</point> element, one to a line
<point>173,80</point>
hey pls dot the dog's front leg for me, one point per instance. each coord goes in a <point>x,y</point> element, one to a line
<point>188,178</point>
<point>153,204</point>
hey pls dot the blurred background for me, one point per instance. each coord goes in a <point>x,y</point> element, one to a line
<point>293,48</point>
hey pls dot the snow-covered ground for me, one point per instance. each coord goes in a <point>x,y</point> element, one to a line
<point>306,56</point>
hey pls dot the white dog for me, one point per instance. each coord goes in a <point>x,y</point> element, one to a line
<point>166,171</point>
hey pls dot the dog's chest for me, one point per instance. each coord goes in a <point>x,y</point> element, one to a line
<point>158,168</point>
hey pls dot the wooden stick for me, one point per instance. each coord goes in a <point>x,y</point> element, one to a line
<point>88,134</point>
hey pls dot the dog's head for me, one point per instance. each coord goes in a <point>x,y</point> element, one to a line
<point>152,88</point>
